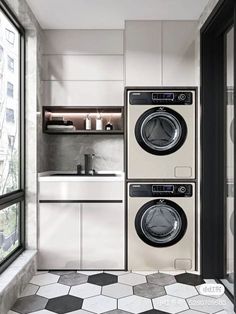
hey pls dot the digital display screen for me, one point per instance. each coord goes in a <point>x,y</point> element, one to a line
<point>163,96</point>
<point>163,188</point>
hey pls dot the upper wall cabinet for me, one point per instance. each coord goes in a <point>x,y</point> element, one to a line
<point>160,53</point>
<point>179,63</point>
<point>143,53</point>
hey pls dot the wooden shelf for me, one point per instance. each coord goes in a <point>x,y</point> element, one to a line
<point>77,114</point>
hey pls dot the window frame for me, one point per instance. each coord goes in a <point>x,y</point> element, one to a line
<point>17,196</point>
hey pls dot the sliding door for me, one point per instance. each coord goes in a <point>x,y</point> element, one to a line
<point>11,137</point>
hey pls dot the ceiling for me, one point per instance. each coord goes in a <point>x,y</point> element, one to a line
<point>111,14</point>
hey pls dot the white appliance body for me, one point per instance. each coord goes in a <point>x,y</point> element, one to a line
<point>158,218</point>
<point>170,127</point>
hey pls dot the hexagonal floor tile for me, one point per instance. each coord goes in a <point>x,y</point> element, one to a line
<point>29,304</point>
<point>154,312</point>
<point>52,291</point>
<point>73,279</point>
<point>64,304</point>
<point>85,290</point>
<point>193,312</point>
<point>145,272</point>
<point>161,279</point>
<point>170,304</point>
<point>117,290</point>
<point>99,304</point>
<point>117,273</point>
<point>135,304</point>
<point>79,312</point>
<point>205,304</point>
<point>189,279</point>
<point>117,312</point>
<point>30,289</point>
<point>132,279</point>
<point>102,279</point>
<point>44,279</point>
<point>149,290</point>
<point>181,290</point>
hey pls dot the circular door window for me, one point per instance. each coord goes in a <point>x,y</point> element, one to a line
<point>160,131</point>
<point>160,223</point>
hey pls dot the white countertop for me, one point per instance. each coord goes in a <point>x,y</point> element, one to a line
<point>49,176</point>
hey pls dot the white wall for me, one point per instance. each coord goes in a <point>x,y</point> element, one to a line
<point>83,67</point>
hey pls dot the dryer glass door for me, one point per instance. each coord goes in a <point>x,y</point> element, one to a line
<point>160,131</point>
<point>161,223</point>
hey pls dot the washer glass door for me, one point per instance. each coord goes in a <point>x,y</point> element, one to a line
<point>161,223</point>
<point>160,131</point>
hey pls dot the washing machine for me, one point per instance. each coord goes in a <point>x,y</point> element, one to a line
<point>161,135</point>
<point>161,226</point>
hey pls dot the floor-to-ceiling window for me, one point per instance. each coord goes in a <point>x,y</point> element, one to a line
<point>11,137</point>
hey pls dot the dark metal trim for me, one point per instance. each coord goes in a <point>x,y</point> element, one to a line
<point>213,172</point>
<point>80,201</point>
<point>17,196</point>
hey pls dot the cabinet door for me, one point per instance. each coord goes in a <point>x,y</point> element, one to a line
<point>59,236</point>
<point>179,45</point>
<point>143,53</point>
<point>103,236</point>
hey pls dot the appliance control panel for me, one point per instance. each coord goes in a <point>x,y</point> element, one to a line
<point>160,190</point>
<point>161,97</point>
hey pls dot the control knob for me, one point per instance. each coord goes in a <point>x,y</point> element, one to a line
<point>182,97</point>
<point>182,189</point>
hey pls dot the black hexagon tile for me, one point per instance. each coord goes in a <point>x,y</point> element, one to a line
<point>189,279</point>
<point>103,279</point>
<point>155,312</point>
<point>64,304</point>
<point>30,304</point>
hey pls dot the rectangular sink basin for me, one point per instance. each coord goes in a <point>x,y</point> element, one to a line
<point>84,175</point>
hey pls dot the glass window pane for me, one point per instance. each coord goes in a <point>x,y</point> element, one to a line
<point>9,230</point>
<point>9,106</point>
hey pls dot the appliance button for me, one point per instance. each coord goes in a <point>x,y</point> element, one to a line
<point>182,189</point>
<point>182,97</point>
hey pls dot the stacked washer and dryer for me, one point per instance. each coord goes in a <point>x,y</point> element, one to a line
<point>161,173</point>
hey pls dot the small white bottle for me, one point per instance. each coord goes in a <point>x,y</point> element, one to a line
<point>99,122</point>
<point>88,124</point>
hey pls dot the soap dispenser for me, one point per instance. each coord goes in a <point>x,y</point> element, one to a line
<point>99,122</point>
<point>88,124</point>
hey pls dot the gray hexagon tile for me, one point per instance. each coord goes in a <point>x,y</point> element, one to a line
<point>73,279</point>
<point>102,279</point>
<point>161,279</point>
<point>30,289</point>
<point>62,272</point>
<point>54,290</point>
<point>149,290</point>
<point>64,304</point>
<point>44,279</point>
<point>145,272</point>
<point>132,279</point>
<point>170,304</point>
<point>181,290</point>
<point>85,290</point>
<point>99,304</point>
<point>117,312</point>
<point>117,290</point>
<point>205,304</point>
<point>135,304</point>
<point>30,304</point>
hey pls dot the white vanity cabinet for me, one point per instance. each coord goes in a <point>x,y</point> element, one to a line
<point>103,236</point>
<point>59,236</point>
<point>81,223</point>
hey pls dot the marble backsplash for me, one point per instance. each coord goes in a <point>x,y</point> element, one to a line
<point>64,152</point>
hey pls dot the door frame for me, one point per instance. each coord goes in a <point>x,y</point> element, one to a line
<point>213,174</point>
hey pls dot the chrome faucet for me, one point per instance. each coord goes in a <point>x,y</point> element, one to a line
<point>88,162</point>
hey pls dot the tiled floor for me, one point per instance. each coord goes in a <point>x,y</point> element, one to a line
<point>117,293</point>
